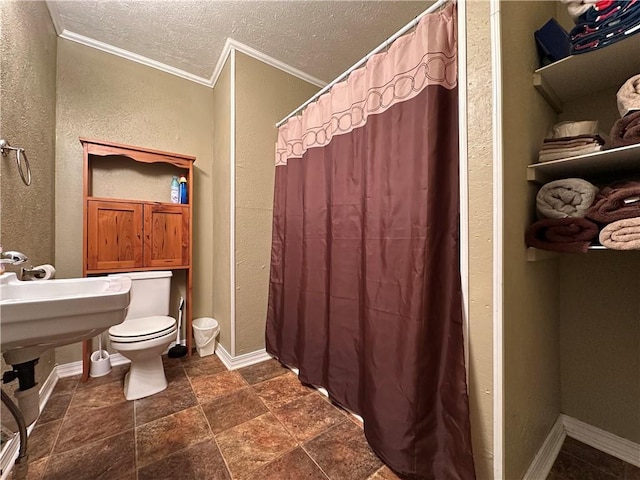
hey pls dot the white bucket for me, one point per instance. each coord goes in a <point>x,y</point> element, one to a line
<point>205,331</point>
<point>100,363</point>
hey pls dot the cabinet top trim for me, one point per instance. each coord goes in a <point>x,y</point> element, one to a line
<point>130,200</point>
<point>101,147</point>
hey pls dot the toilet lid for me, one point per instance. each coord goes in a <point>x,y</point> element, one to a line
<point>142,328</point>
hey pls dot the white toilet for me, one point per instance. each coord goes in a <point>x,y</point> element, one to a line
<point>145,333</point>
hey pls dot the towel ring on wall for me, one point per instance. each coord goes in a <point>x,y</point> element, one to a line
<point>21,156</point>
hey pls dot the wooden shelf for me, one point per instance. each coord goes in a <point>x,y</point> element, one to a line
<point>579,75</point>
<point>125,200</point>
<point>624,160</point>
<point>146,234</point>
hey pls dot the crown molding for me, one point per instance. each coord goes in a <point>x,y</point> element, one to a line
<point>54,13</point>
<point>264,58</point>
<point>229,44</point>
<point>222,59</point>
<point>105,47</point>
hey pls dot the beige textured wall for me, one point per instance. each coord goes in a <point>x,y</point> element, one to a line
<point>531,320</point>
<point>27,119</point>
<point>600,106</point>
<point>264,95</point>
<point>121,177</point>
<point>109,98</point>
<point>480,173</point>
<point>222,205</point>
<point>599,311</point>
<point>600,340</point>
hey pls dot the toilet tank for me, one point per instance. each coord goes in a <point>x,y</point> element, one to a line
<point>149,293</point>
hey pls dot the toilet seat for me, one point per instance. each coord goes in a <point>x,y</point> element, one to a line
<point>142,329</point>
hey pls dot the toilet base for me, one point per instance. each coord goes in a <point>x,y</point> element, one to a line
<point>146,374</point>
<point>145,377</point>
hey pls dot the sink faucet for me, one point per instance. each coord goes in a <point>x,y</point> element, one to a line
<point>13,258</point>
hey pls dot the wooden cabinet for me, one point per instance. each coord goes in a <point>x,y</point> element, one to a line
<point>123,235</point>
<point>114,235</point>
<point>166,236</point>
<point>124,230</point>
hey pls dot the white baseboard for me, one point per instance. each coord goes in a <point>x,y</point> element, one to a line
<point>233,363</point>
<point>595,437</point>
<point>69,369</point>
<point>75,368</point>
<point>11,449</point>
<point>546,456</point>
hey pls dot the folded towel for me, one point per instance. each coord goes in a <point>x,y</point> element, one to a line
<point>622,234</point>
<point>567,235</point>
<point>616,202</point>
<point>574,129</point>
<point>626,131</point>
<point>556,154</point>
<point>552,147</point>
<point>568,197</point>
<point>573,141</point>
<point>628,96</point>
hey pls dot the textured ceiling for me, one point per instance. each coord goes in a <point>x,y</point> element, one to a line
<point>321,38</point>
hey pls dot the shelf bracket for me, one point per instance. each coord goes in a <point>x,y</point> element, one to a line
<point>536,176</point>
<point>537,255</point>
<point>547,92</point>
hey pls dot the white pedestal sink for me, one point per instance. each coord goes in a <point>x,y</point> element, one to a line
<point>38,315</point>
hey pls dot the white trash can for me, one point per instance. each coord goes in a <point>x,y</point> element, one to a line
<point>205,331</point>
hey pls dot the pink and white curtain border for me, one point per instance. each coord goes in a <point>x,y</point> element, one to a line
<point>426,56</point>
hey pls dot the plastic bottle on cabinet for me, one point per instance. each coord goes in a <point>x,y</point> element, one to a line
<point>183,190</point>
<point>175,190</point>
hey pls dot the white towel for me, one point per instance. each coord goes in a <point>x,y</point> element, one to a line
<point>622,234</point>
<point>573,129</point>
<point>568,152</point>
<point>568,197</point>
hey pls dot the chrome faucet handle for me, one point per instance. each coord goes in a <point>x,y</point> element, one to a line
<point>13,257</point>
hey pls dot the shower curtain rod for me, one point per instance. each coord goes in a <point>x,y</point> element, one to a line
<point>363,60</point>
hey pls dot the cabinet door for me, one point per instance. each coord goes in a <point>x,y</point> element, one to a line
<point>114,235</point>
<point>166,235</point>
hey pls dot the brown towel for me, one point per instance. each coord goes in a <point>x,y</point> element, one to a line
<point>573,141</point>
<point>566,235</point>
<point>625,131</point>
<point>622,235</point>
<point>616,202</point>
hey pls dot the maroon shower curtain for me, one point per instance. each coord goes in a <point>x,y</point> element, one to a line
<point>365,297</point>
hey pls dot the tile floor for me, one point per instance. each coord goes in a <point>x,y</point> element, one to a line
<point>577,461</point>
<point>257,423</point>
<point>254,423</point>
